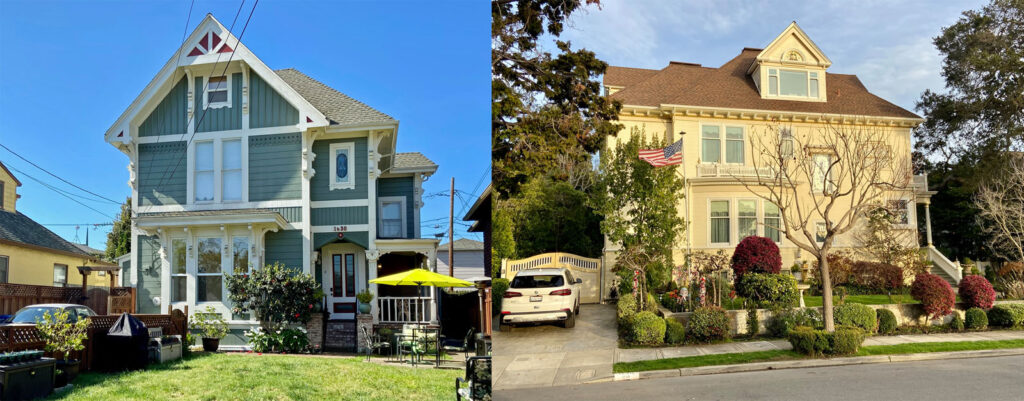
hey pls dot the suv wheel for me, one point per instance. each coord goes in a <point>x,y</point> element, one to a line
<point>569,321</point>
<point>505,327</point>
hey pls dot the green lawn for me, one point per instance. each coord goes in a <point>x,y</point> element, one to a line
<point>779,355</point>
<point>267,377</point>
<point>882,299</point>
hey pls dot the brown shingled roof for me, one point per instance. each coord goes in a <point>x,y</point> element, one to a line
<point>729,86</point>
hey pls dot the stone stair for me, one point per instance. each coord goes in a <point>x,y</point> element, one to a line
<point>943,267</point>
<point>945,276</point>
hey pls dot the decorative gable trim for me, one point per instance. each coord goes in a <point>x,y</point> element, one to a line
<point>794,30</point>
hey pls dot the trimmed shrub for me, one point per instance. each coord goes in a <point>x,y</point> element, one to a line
<point>977,292</point>
<point>755,255</point>
<point>957,324</point>
<point>783,321</point>
<point>975,319</point>
<point>886,321</point>
<point>846,340</point>
<point>498,288</point>
<point>753,325</point>
<point>626,306</point>
<point>934,293</point>
<point>647,329</point>
<point>862,276</point>
<point>652,304</point>
<point>769,290</point>
<point>1006,315</point>
<point>856,315</point>
<point>675,332</point>
<point>708,324</point>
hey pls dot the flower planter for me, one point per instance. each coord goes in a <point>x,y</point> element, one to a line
<point>364,308</point>
<point>211,344</point>
<point>70,368</point>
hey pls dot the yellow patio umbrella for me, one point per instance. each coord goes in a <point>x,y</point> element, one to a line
<point>421,277</point>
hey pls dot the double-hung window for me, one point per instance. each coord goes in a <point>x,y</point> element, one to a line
<point>60,275</point>
<point>719,222</point>
<point>734,145</point>
<point>240,255</point>
<point>772,222</point>
<point>209,274</point>
<point>747,220</point>
<point>786,142</point>
<point>392,217</point>
<point>821,170</point>
<point>4,267</point>
<point>179,274</point>
<point>792,83</point>
<point>711,145</point>
<point>900,211</point>
<point>218,92</point>
<point>343,164</point>
<point>204,172</point>
<point>231,170</point>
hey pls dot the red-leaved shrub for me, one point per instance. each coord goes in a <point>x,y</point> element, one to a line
<point>934,293</point>
<point>756,255</point>
<point>977,292</point>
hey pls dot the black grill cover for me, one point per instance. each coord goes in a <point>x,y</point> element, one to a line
<point>125,345</point>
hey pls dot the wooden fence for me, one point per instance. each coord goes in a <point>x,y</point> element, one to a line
<point>102,300</point>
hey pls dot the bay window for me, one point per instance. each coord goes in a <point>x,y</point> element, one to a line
<point>772,222</point>
<point>392,217</point>
<point>734,145</point>
<point>203,172</point>
<point>712,144</point>
<point>240,255</point>
<point>747,220</point>
<point>209,273</point>
<point>179,274</point>
<point>711,150</point>
<point>719,222</point>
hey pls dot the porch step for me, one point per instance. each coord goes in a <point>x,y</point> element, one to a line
<point>341,336</point>
<point>945,276</point>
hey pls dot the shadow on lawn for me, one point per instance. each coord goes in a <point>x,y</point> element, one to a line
<point>86,380</point>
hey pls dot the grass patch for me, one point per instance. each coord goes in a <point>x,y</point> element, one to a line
<point>780,355</point>
<point>878,299</point>
<point>277,377</point>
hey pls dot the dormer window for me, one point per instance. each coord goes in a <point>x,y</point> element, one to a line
<point>797,83</point>
<point>218,92</point>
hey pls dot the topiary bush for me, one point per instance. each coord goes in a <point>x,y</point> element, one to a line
<point>626,309</point>
<point>770,290</point>
<point>886,321</point>
<point>647,329</point>
<point>708,324</point>
<point>783,321</point>
<point>856,315</point>
<point>844,341</point>
<point>957,324</point>
<point>1006,315</point>
<point>675,332</point>
<point>977,292</point>
<point>755,255</point>
<point>975,319</point>
<point>934,293</point>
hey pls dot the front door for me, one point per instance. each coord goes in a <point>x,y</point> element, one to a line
<point>343,271</point>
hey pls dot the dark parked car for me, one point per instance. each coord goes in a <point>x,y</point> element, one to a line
<point>33,313</point>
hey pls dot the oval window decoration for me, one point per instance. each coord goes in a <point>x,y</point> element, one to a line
<point>342,166</point>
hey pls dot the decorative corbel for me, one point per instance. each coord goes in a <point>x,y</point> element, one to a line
<point>245,88</point>
<point>372,254</point>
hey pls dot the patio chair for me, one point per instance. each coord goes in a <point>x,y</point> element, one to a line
<point>454,345</point>
<point>408,343</point>
<point>373,342</point>
<point>477,380</point>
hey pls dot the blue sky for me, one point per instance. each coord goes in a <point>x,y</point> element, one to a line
<point>69,69</point>
<point>887,44</point>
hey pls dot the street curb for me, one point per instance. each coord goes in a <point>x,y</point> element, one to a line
<point>815,363</point>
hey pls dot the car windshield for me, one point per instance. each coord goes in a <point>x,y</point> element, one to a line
<point>538,281</point>
<point>32,314</point>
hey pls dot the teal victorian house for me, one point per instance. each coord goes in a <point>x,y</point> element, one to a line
<point>234,165</point>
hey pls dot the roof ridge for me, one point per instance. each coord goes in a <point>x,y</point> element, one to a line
<point>329,88</point>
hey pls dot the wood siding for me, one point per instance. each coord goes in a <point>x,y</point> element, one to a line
<point>170,116</point>
<point>330,216</point>
<point>148,284</point>
<point>267,108</point>
<point>224,118</point>
<point>275,163</point>
<point>356,237</point>
<point>285,247</point>
<point>320,189</point>
<point>290,214</point>
<point>400,186</point>
<point>163,171</point>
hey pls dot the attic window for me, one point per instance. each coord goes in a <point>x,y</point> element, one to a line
<point>795,83</point>
<point>218,92</point>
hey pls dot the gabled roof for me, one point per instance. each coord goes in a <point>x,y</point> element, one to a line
<point>729,86</point>
<point>339,108</point>
<point>413,160</point>
<point>88,249</point>
<point>462,244</point>
<point>16,181</point>
<point>18,228</point>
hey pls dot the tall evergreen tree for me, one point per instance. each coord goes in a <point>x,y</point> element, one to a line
<point>119,239</point>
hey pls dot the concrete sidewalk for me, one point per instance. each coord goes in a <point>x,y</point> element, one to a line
<point>646,354</point>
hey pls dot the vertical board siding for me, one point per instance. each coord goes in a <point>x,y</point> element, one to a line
<point>275,167</point>
<point>267,108</point>
<point>224,118</point>
<point>400,186</point>
<point>171,115</point>
<point>149,274</point>
<point>163,170</point>
<point>319,186</point>
<point>290,214</point>
<point>330,216</point>
<point>360,238</point>
<point>285,247</point>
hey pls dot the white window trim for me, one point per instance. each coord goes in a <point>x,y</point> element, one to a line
<point>763,226</point>
<point>170,299</point>
<point>195,287</point>
<point>710,220</point>
<point>218,171</point>
<point>828,184</point>
<point>241,170</point>
<point>66,282</point>
<point>778,87</point>
<point>824,227</point>
<point>351,147</point>
<point>248,256</point>
<point>911,216</point>
<point>380,216</point>
<point>756,217</point>
<point>786,134</point>
<point>723,143</point>
<point>206,89</point>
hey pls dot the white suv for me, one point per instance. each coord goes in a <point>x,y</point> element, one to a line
<point>541,295</point>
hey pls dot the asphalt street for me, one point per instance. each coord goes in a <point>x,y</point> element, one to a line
<point>996,378</point>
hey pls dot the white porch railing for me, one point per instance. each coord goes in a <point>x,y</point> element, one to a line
<point>730,170</point>
<point>405,310</point>
<point>939,260</point>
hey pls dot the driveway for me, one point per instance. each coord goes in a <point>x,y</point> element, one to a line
<point>549,355</point>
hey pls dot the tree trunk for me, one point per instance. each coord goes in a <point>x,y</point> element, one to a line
<point>826,293</point>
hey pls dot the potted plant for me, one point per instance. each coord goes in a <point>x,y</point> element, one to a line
<point>212,327</point>
<point>364,297</point>
<point>63,336</point>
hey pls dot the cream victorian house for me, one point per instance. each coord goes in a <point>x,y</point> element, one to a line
<point>786,90</point>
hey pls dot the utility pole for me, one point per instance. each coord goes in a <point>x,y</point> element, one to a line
<point>451,234</point>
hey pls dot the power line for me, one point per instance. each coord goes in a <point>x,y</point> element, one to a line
<point>58,177</point>
<point>60,192</point>
<point>75,224</point>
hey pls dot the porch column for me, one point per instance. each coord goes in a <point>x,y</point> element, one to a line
<point>432,260</point>
<point>928,223</point>
<point>371,267</point>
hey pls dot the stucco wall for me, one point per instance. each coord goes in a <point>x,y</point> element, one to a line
<point>35,267</point>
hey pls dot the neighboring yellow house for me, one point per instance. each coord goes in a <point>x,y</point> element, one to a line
<point>32,254</point>
<point>784,90</point>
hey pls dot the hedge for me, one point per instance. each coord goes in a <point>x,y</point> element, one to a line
<point>675,332</point>
<point>647,329</point>
<point>844,341</point>
<point>708,324</point>
<point>857,315</point>
<point>770,290</point>
<point>887,323</point>
<point>783,321</point>
<point>1006,315</point>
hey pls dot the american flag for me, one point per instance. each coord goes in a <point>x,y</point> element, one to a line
<point>670,155</point>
